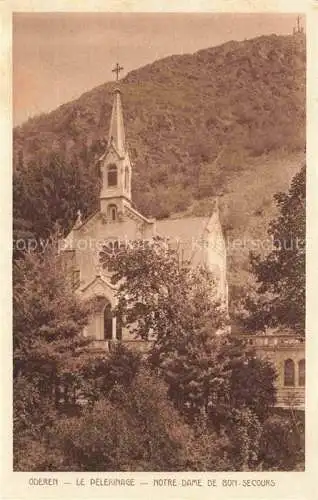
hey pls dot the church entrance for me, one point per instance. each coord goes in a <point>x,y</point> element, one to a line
<point>104,325</point>
<point>108,322</point>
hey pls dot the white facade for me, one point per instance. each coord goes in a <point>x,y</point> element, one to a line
<point>198,239</point>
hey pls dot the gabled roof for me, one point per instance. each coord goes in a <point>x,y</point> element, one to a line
<point>198,239</point>
<point>183,229</point>
<point>67,242</point>
<point>186,235</point>
<point>98,286</point>
<point>139,215</point>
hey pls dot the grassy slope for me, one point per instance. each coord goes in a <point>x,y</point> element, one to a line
<point>248,208</point>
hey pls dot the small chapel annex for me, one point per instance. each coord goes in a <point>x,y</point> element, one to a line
<point>198,239</point>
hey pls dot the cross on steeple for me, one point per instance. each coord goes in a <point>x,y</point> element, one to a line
<point>117,70</point>
<point>299,28</point>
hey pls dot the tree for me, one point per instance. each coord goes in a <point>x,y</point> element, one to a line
<point>166,302</point>
<point>157,308</point>
<point>51,189</point>
<point>282,443</point>
<point>252,383</point>
<point>162,301</point>
<point>244,433</point>
<point>137,428</point>
<point>119,367</point>
<point>49,350</point>
<point>134,428</point>
<point>280,297</point>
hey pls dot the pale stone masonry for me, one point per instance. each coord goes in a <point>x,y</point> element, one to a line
<point>286,351</point>
<point>197,239</point>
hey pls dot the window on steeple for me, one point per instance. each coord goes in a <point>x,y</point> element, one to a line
<point>112,212</point>
<point>112,176</point>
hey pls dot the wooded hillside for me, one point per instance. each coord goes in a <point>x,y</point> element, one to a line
<point>227,121</point>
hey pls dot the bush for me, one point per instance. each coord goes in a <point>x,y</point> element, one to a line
<point>244,432</point>
<point>137,428</point>
<point>102,373</point>
<point>282,443</point>
<point>133,426</point>
<point>252,384</point>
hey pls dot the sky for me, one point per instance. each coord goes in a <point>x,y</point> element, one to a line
<point>59,56</point>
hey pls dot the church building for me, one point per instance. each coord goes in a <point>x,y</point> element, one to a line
<point>197,239</point>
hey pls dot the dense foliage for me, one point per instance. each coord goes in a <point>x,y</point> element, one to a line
<point>177,309</point>
<point>183,406</point>
<point>192,123</point>
<point>198,401</point>
<point>280,297</point>
<point>49,350</point>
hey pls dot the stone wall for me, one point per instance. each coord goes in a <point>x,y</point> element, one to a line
<point>287,353</point>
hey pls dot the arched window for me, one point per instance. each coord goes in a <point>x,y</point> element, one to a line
<point>108,322</point>
<point>289,373</point>
<point>301,373</point>
<point>126,179</point>
<point>112,212</point>
<point>112,176</point>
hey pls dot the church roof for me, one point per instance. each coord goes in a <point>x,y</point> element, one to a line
<point>116,137</point>
<point>185,235</point>
<point>183,228</point>
<point>197,239</point>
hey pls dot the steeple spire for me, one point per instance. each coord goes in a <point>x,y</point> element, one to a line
<point>115,195</point>
<point>116,135</point>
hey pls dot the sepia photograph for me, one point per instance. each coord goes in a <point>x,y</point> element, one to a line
<point>159,242</point>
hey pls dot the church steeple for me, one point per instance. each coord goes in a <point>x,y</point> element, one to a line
<point>115,164</point>
<point>116,137</point>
